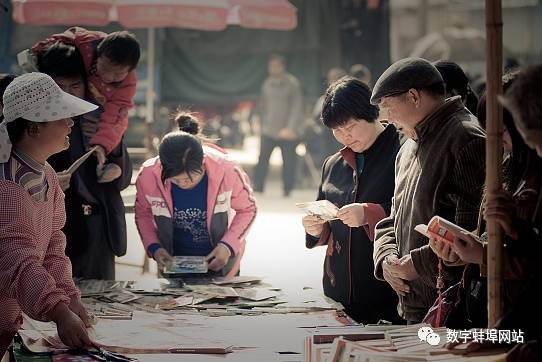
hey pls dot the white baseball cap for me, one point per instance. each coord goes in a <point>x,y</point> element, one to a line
<point>37,98</point>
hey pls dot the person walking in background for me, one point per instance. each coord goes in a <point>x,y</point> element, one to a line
<point>194,200</point>
<point>358,179</point>
<point>321,143</point>
<point>96,224</point>
<point>361,72</point>
<point>281,123</point>
<point>35,274</point>
<point>109,63</point>
<point>440,170</point>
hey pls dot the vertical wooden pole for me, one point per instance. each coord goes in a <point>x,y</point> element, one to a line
<point>150,95</point>
<point>494,152</point>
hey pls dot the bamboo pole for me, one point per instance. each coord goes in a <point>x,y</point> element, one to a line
<point>494,152</point>
<point>150,95</point>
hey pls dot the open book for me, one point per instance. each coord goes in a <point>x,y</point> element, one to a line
<point>324,209</point>
<point>443,230</point>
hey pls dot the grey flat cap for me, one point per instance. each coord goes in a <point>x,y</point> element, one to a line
<point>403,75</point>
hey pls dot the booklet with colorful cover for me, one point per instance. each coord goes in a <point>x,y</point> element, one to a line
<point>443,230</point>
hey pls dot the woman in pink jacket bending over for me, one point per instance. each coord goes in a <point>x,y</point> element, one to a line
<point>194,200</point>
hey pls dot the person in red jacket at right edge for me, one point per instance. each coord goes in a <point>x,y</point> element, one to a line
<point>110,61</point>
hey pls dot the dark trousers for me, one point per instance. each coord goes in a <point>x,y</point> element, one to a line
<point>289,157</point>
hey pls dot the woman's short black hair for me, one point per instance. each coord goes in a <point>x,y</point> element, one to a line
<point>17,128</point>
<point>345,99</point>
<point>61,60</point>
<point>121,48</point>
<point>180,152</point>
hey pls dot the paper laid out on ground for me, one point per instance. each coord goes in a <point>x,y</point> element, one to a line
<point>257,294</point>
<point>240,279</point>
<point>321,208</point>
<point>214,290</point>
<point>443,230</point>
<point>75,165</point>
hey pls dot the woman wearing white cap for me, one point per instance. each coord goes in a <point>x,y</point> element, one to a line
<point>35,274</point>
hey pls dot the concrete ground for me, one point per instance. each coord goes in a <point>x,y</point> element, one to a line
<point>275,245</point>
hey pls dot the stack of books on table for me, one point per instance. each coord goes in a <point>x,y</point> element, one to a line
<point>393,343</point>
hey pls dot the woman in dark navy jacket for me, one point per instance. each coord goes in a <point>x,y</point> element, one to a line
<point>359,179</point>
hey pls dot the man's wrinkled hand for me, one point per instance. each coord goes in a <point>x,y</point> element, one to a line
<point>403,268</point>
<point>397,284</point>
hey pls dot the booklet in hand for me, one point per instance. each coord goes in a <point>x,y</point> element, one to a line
<point>324,209</point>
<point>75,165</point>
<point>443,230</point>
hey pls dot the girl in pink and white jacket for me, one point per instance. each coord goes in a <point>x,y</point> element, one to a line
<point>193,199</point>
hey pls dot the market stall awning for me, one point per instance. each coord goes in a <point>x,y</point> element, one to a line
<point>62,12</point>
<point>188,14</point>
<point>209,15</point>
<point>263,14</point>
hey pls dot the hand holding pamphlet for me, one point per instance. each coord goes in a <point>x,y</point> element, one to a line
<point>443,230</point>
<point>324,209</point>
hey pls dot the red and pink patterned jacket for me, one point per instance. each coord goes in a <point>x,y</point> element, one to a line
<point>35,273</point>
<point>116,99</point>
<point>231,207</point>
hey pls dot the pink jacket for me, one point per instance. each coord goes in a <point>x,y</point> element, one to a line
<point>231,207</point>
<point>35,274</point>
<point>116,99</point>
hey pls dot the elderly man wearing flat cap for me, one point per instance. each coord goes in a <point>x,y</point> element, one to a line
<point>438,171</point>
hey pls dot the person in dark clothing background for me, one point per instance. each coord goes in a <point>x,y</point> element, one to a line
<point>457,84</point>
<point>281,123</point>
<point>95,226</point>
<point>358,179</point>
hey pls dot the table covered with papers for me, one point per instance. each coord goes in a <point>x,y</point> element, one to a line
<point>240,318</point>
